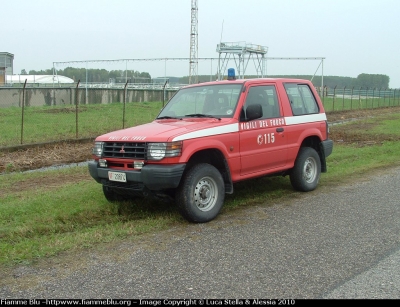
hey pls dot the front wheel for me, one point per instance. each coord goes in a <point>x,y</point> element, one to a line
<point>201,193</point>
<point>306,171</point>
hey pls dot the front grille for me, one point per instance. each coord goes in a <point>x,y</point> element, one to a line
<point>125,150</point>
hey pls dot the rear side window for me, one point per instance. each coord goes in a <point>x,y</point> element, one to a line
<point>301,99</point>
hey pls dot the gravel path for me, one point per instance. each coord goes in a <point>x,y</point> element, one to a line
<point>342,242</point>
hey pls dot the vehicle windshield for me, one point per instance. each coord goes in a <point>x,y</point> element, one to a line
<point>203,101</point>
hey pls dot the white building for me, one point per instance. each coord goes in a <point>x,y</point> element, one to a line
<point>38,79</point>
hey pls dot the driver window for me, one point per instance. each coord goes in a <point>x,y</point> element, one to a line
<point>266,97</point>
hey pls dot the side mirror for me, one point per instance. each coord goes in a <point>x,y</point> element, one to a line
<point>254,111</point>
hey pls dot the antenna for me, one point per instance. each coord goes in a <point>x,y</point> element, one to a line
<point>222,30</point>
<point>193,75</point>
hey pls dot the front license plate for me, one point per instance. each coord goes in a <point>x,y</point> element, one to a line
<point>115,176</point>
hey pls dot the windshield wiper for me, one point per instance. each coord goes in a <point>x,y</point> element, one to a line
<point>202,115</point>
<point>168,117</point>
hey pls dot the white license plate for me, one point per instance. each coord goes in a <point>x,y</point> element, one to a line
<point>115,176</point>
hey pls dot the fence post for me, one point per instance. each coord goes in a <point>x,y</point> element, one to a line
<point>321,94</point>
<point>163,99</point>
<point>359,98</point>
<point>334,95</point>
<point>366,98</point>
<point>344,90</point>
<point>123,110</point>
<point>384,97</point>
<point>22,114</point>
<point>373,97</point>
<point>76,109</point>
<point>379,97</point>
<point>351,99</point>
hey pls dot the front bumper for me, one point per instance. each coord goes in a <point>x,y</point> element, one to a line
<point>153,177</point>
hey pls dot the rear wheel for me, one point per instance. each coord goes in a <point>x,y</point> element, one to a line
<point>201,194</point>
<point>306,171</point>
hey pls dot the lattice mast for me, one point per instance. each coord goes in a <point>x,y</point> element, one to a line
<point>193,61</point>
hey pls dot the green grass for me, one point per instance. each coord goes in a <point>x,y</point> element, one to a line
<point>38,222</point>
<point>42,220</point>
<point>338,103</point>
<point>53,123</point>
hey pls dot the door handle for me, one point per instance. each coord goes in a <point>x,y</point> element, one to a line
<point>279,129</point>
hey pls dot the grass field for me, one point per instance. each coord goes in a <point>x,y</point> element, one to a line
<point>342,103</point>
<point>55,123</point>
<point>45,213</point>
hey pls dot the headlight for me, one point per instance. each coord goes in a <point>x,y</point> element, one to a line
<point>97,150</point>
<point>158,151</point>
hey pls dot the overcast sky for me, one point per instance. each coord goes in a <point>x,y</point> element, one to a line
<point>354,37</point>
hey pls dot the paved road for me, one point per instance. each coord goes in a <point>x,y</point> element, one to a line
<point>342,242</point>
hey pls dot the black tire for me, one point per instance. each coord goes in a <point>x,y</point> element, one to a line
<point>201,193</point>
<point>306,171</point>
<point>111,195</point>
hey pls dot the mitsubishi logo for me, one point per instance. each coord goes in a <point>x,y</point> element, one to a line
<point>122,149</point>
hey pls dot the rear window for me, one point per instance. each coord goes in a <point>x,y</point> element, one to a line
<point>302,100</point>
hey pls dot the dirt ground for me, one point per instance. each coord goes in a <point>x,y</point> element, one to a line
<point>71,152</point>
<point>45,155</point>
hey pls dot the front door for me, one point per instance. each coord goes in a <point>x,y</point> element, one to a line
<point>263,145</point>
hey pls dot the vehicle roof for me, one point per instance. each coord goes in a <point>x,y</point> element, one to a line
<point>253,80</point>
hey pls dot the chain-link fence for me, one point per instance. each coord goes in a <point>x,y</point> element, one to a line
<point>32,114</point>
<point>341,99</point>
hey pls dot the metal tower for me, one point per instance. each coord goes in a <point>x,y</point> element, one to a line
<point>193,61</point>
<point>241,53</point>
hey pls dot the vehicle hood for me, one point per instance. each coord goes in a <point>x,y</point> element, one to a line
<point>172,130</point>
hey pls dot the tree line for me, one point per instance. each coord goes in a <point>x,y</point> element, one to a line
<point>363,80</point>
<point>98,75</point>
<point>121,76</point>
